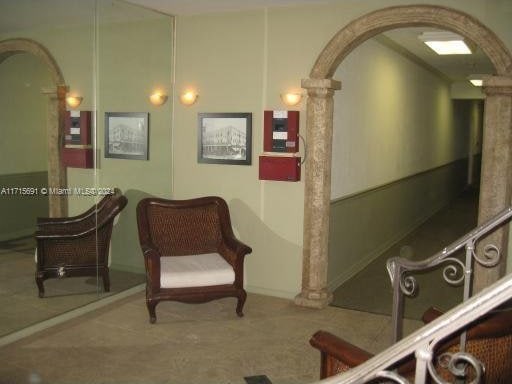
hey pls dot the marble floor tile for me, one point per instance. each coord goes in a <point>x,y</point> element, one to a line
<point>203,343</point>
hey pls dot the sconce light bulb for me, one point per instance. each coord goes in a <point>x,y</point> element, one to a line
<point>157,98</point>
<point>291,98</point>
<point>188,97</point>
<point>73,101</point>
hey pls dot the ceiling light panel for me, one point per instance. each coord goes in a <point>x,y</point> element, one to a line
<point>446,43</point>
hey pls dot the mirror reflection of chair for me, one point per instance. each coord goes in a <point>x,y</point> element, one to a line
<point>489,340</point>
<point>78,245</point>
<point>191,254</point>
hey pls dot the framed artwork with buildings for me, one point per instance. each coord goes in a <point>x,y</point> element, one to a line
<point>127,135</point>
<point>224,138</point>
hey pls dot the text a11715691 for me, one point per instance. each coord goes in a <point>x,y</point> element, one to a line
<point>35,191</point>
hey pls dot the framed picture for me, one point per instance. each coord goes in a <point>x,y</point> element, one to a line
<point>224,138</point>
<point>126,135</point>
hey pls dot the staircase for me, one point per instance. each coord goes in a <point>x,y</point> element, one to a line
<point>422,343</point>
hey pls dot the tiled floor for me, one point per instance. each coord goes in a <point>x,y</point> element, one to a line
<point>190,343</point>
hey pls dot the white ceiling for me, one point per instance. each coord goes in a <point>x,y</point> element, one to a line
<point>454,67</point>
<point>17,15</point>
<point>188,7</point>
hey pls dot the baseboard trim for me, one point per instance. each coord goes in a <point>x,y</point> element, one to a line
<point>17,234</point>
<point>271,292</point>
<point>128,268</point>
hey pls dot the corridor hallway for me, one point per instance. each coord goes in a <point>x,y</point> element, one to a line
<point>370,290</point>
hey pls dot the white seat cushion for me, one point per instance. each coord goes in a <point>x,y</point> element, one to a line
<point>195,271</point>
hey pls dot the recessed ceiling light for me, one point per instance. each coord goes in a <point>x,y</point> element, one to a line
<point>476,80</point>
<point>446,43</point>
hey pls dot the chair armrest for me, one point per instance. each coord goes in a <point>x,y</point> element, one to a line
<point>152,261</point>
<point>338,353</point>
<point>53,220</point>
<point>237,246</point>
<point>339,349</point>
<point>63,233</point>
<point>44,221</point>
<point>150,251</point>
<point>233,250</point>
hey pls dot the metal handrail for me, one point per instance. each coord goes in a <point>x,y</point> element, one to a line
<point>404,283</point>
<point>423,342</point>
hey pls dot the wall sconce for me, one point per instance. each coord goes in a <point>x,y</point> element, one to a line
<point>291,98</point>
<point>157,98</point>
<point>188,97</point>
<point>73,101</point>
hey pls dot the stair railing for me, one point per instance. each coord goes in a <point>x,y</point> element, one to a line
<point>455,271</point>
<point>422,343</point>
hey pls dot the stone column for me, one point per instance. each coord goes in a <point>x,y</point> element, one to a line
<point>55,134</point>
<point>495,183</point>
<point>317,192</point>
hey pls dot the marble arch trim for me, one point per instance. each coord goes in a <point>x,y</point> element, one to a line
<point>55,115</point>
<point>320,88</point>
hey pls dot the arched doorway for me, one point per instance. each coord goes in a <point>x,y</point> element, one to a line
<point>496,185</point>
<point>55,116</point>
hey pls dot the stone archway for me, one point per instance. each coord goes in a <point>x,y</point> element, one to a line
<point>55,116</point>
<point>496,185</point>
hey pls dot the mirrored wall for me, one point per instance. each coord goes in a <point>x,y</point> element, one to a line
<point>77,150</point>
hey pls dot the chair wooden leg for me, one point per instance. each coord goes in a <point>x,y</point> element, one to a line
<point>151,304</point>
<point>39,282</point>
<point>106,280</point>
<point>242,295</point>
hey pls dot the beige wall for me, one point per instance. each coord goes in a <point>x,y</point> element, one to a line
<point>72,46</point>
<point>114,66</point>
<point>23,115</point>
<point>224,57</point>
<point>23,145</point>
<point>399,114</point>
<point>241,62</point>
<point>134,59</point>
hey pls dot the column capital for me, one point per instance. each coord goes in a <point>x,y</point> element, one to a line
<point>49,91</point>
<point>497,85</point>
<point>55,92</point>
<point>330,84</point>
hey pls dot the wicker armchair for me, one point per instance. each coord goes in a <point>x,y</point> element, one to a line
<point>78,245</point>
<point>489,340</point>
<point>191,254</point>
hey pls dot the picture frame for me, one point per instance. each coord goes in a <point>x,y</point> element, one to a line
<point>224,138</point>
<point>127,135</point>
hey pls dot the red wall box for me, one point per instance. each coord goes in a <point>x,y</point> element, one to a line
<point>82,120</point>
<point>292,125</point>
<point>78,157</point>
<point>280,168</point>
